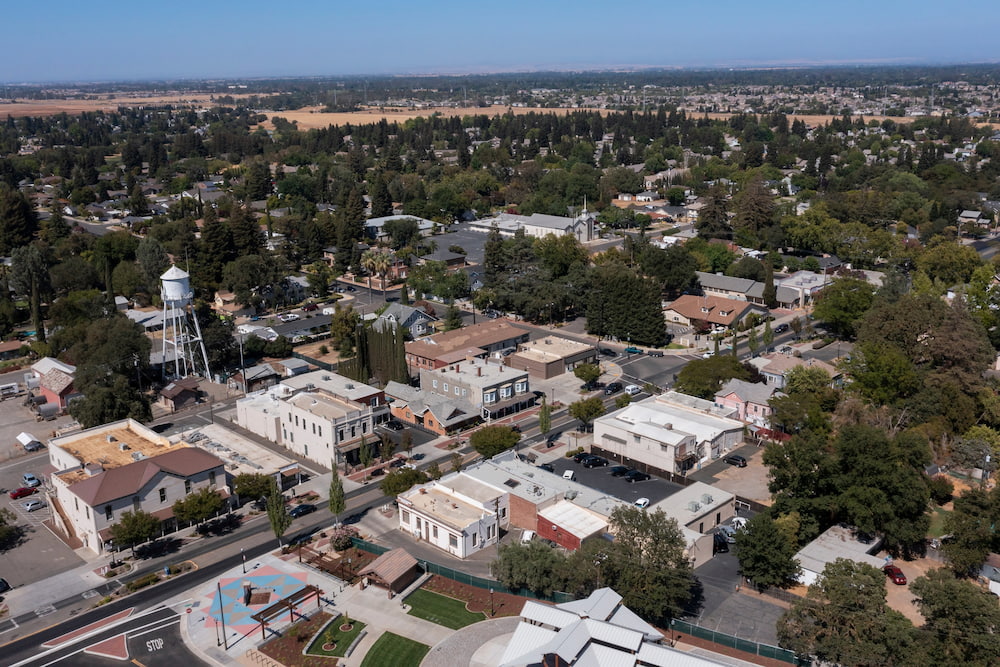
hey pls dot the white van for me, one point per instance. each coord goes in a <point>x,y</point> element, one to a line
<point>570,475</point>
<point>527,536</point>
<point>633,389</point>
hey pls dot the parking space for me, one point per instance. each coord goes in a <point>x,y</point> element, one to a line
<point>602,480</point>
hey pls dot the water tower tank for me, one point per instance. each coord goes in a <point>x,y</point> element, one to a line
<point>176,288</point>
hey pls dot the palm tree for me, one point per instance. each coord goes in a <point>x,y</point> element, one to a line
<point>369,260</point>
<point>383,263</point>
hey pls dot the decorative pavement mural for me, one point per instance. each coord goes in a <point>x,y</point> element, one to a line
<point>267,586</point>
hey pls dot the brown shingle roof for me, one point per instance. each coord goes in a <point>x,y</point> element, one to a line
<point>391,565</point>
<point>482,334</point>
<point>130,479</point>
<point>56,381</point>
<point>714,309</point>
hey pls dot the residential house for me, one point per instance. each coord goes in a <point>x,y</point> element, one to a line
<point>180,394</point>
<point>806,283</point>
<point>716,311</point>
<point>667,434</point>
<point>551,356</point>
<point>775,366</point>
<point>55,381</point>
<point>744,289</point>
<point>836,542</point>
<point>492,388</point>
<point>255,378</point>
<point>453,261</point>
<point>375,227</point>
<point>481,339</point>
<point>319,415</point>
<point>10,349</point>
<point>749,399</point>
<point>413,321</point>
<point>225,304</point>
<point>102,472</point>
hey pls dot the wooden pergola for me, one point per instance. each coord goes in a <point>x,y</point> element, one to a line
<point>266,615</point>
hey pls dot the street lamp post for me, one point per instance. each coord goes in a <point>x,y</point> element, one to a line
<point>243,554</point>
<point>492,610</point>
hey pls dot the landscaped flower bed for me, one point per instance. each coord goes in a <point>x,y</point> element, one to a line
<point>476,599</point>
<point>336,638</point>
<point>287,649</point>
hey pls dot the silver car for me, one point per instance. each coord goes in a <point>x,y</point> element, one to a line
<point>33,505</point>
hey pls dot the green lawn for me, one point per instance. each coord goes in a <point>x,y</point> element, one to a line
<point>397,651</point>
<point>343,640</point>
<point>441,610</point>
<point>937,522</point>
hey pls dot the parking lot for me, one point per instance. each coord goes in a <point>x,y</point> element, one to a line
<point>601,479</point>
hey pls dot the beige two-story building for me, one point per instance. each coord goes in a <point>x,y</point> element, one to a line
<point>494,389</point>
<point>120,467</point>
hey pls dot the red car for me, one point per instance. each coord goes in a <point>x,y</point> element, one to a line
<point>22,492</point>
<point>895,575</point>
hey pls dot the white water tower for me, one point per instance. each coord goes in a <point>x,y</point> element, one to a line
<point>181,332</point>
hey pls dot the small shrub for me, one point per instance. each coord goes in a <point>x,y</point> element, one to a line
<point>340,537</point>
<point>573,452</point>
<point>324,350</point>
<point>142,582</point>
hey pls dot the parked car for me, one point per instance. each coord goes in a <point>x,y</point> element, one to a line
<point>570,475</point>
<point>727,532</point>
<point>636,476</point>
<point>527,536</point>
<point>608,352</point>
<point>735,460</point>
<point>33,505</point>
<point>739,522</point>
<point>30,480</point>
<point>309,307</point>
<point>632,350</point>
<point>393,425</point>
<point>22,492</point>
<point>301,510</point>
<point>642,503</point>
<point>4,586</point>
<point>656,353</point>
<point>719,544</point>
<point>781,328</point>
<point>618,471</point>
<point>633,389</point>
<point>547,467</point>
<point>613,388</point>
<point>288,317</point>
<point>580,457</point>
<point>895,575</point>
<point>595,462</point>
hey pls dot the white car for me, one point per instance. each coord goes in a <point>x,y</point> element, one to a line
<point>33,505</point>
<point>642,503</point>
<point>288,317</point>
<point>739,522</point>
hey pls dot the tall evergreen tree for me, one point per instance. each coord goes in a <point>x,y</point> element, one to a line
<point>18,222</point>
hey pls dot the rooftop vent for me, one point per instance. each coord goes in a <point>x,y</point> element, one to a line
<point>512,483</point>
<point>122,446</point>
<point>93,469</point>
<point>138,456</point>
<point>111,438</point>
<point>706,498</point>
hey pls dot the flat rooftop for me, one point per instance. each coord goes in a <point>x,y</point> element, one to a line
<point>552,348</point>
<point>323,406</point>
<point>443,507</point>
<point>112,446</point>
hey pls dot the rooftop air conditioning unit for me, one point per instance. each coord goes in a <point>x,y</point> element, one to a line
<point>694,506</point>
<point>706,499</point>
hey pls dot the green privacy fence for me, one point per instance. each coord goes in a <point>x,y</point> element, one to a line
<point>463,577</point>
<point>721,638</point>
<point>677,625</point>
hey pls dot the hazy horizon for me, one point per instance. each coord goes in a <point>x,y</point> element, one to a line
<point>116,41</point>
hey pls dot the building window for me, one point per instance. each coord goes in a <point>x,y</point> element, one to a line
<point>314,428</point>
<point>136,503</point>
<point>88,511</point>
<point>521,387</point>
<point>109,513</point>
<point>457,391</point>
<point>163,495</point>
<point>505,392</point>
<point>503,512</point>
<point>187,486</point>
<point>306,453</point>
<point>364,427</point>
<point>445,387</point>
<point>434,383</point>
<point>211,478</point>
<point>296,420</point>
<point>490,397</point>
<point>434,531</point>
<point>320,431</point>
<point>406,517</point>
<point>354,431</point>
<point>340,435</point>
<point>475,539</point>
<point>453,541</point>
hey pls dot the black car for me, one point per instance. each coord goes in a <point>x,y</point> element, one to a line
<point>781,328</point>
<point>656,353</point>
<point>719,544</point>
<point>580,457</point>
<point>613,388</point>
<point>547,467</point>
<point>636,476</point>
<point>4,586</point>
<point>736,460</point>
<point>619,471</point>
<point>608,352</point>
<point>301,510</point>
<point>595,462</point>
<point>393,425</point>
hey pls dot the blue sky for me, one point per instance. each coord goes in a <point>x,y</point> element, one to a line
<point>101,40</point>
